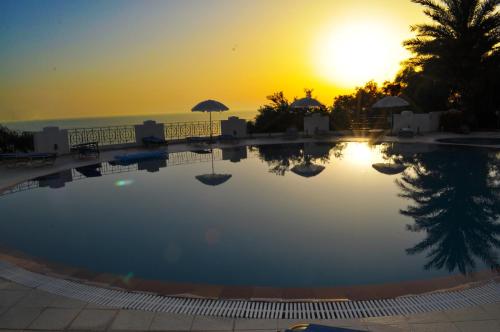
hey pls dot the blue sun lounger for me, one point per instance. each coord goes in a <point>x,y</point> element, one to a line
<point>131,158</point>
<point>153,141</point>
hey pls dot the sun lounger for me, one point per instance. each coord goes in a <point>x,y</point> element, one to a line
<point>85,150</point>
<point>199,142</point>
<point>153,141</point>
<point>227,139</point>
<point>196,139</point>
<point>27,159</point>
<point>406,133</point>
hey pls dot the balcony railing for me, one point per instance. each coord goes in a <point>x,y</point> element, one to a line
<point>180,130</point>
<point>103,135</point>
<point>113,135</point>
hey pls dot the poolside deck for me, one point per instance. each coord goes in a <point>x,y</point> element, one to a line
<point>26,309</point>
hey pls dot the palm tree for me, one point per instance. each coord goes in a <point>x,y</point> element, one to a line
<point>460,46</point>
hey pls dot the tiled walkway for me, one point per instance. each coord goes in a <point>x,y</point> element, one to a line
<point>26,309</point>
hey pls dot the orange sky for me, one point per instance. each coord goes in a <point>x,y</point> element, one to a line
<point>84,59</point>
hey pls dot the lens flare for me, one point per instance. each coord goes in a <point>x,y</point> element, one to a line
<point>123,183</point>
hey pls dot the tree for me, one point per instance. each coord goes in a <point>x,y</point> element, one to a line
<point>11,141</point>
<point>353,107</point>
<point>278,116</point>
<point>460,48</point>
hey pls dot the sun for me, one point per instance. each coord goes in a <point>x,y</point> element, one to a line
<point>353,53</point>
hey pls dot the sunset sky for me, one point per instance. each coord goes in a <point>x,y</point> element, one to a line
<point>68,59</point>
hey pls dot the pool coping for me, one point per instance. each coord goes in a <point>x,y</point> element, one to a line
<point>472,295</point>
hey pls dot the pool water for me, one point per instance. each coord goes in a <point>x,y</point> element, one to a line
<point>294,215</point>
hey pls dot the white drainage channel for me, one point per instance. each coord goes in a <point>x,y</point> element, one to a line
<point>320,309</point>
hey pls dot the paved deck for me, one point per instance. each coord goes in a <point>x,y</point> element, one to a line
<point>23,308</point>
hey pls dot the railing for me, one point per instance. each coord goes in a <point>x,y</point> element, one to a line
<point>180,130</point>
<point>113,135</point>
<point>367,123</point>
<point>104,135</point>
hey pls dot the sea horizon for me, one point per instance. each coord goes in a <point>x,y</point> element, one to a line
<point>121,120</point>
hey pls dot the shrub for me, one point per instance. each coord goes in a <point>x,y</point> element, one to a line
<point>340,120</point>
<point>11,141</point>
<point>453,121</point>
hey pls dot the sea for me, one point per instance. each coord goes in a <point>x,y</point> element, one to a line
<point>36,125</point>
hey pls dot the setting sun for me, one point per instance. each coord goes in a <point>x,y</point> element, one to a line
<point>355,52</point>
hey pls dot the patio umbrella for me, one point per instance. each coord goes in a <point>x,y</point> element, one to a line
<point>307,102</point>
<point>388,168</point>
<point>391,102</point>
<point>213,179</point>
<point>307,169</point>
<point>210,106</point>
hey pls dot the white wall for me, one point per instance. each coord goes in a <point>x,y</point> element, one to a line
<point>51,140</point>
<point>234,126</point>
<point>147,129</point>
<point>421,122</point>
<point>316,123</point>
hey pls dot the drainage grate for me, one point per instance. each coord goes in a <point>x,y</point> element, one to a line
<point>320,309</point>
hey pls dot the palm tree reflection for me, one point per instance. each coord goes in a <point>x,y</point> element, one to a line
<point>457,204</point>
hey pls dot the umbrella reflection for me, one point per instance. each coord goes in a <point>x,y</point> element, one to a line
<point>388,168</point>
<point>213,179</point>
<point>307,169</point>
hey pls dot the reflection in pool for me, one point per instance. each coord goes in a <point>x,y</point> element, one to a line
<point>271,222</point>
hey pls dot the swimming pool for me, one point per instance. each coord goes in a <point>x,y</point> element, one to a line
<point>292,215</point>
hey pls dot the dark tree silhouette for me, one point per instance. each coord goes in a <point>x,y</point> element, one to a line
<point>11,140</point>
<point>357,106</point>
<point>278,116</point>
<point>460,50</point>
<point>456,199</point>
